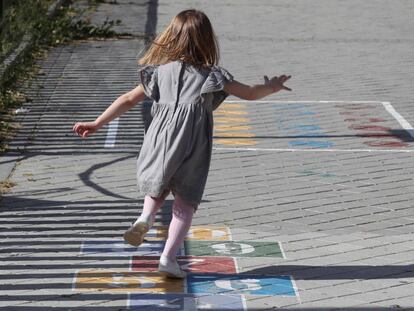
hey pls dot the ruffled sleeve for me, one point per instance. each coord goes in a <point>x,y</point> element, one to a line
<point>149,81</point>
<point>215,83</point>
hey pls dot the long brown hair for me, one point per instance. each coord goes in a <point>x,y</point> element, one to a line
<point>189,38</point>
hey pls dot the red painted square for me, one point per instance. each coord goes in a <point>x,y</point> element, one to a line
<point>145,263</point>
<point>195,264</point>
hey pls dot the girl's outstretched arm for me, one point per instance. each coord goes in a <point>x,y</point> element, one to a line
<point>258,91</point>
<point>122,104</point>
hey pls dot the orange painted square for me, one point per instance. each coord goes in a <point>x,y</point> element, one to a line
<point>126,281</point>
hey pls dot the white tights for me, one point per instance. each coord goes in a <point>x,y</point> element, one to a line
<point>182,216</point>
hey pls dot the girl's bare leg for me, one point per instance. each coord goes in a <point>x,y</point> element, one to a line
<point>180,224</point>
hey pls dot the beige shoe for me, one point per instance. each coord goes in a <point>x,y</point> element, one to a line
<point>171,269</point>
<point>135,234</point>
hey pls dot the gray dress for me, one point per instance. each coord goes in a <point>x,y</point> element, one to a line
<point>177,146</point>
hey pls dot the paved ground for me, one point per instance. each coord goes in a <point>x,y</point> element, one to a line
<point>312,190</point>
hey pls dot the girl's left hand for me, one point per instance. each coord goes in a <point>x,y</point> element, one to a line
<point>276,83</point>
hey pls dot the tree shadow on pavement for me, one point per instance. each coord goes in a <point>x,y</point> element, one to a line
<point>338,272</point>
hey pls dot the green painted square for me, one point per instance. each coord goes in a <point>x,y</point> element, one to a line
<point>233,248</point>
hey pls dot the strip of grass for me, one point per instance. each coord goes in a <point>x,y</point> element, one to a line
<point>28,19</point>
<point>18,20</point>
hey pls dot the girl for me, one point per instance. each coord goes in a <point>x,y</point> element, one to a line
<point>181,75</point>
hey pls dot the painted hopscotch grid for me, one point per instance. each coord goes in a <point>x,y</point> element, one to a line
<point>153,243</point>
<point>324,126</point>
<point>234,248</point>
<point>212,282</point>
<point>343,126</point>
<point>232,125</point>
<point>191,264</point>
<point>216,233</point>
<point>192,248</point>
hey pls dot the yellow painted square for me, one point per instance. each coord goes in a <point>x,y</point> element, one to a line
<point>220,119</point>
<point>126,281</point>
<point>162,232</point>
<point>236,134</point>
<point>209,233</point>
<point>236,142</point>
<point>232,105</point>
<point>230,112</point>
<point>232,127</point>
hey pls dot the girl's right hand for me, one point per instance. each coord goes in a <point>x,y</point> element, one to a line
<point>276,83</point>
<point>84,129</point>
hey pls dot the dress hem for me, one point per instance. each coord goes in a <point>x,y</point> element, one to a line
<point>156,189</point>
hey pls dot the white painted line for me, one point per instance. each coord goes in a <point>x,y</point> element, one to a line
<point>128,301</point>
<point>295,288</point>
<point>403,122</point>
<point>234,258</point>
<point>229,234</point>
<point>244,304</point>
<point>75,278</point>
<point>282,250</point>
<point>111,134</point>
<point>307,101</point>
<point>313,150</point>
<point>81,248</point>
<point>235,264</point>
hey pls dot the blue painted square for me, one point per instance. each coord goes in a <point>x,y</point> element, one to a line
<point>247,284</point>
<point>311,134</point>
<point>315,144</point>
<point>186,302</point>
